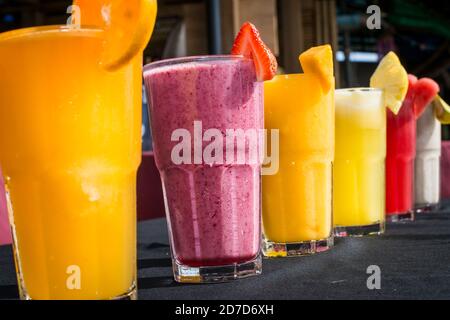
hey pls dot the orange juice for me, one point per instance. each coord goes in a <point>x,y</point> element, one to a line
<point>297,201</point>
<point>70,146</point>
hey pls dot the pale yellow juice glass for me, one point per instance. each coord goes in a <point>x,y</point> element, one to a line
<point>70,146</point>
<point>359,167</point>
<point>297,201</point>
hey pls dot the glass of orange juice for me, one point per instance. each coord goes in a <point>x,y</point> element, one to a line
<point>297,201</point>
<point>70,147</point>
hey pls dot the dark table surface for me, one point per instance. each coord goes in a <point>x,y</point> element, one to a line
<point>414,259</point>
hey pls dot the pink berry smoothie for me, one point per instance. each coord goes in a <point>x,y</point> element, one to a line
<point>213,210</point>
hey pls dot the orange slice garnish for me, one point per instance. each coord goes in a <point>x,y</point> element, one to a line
<point>128,26</point>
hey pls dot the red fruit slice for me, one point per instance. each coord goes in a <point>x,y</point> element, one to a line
<point>425,91</point>
<point>411,88</point>
<point>412,79</point>
<point>249,44</point>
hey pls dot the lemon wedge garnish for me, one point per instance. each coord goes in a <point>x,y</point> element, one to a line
<point>392,78</point>
<point>442,110</point>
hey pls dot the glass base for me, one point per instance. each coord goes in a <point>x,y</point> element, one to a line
<point>295,249</point>
<point>423,208</point>
<point>375,229</point>
<point>130,295</point>
<point>401,217</point>
<point>187,274</point>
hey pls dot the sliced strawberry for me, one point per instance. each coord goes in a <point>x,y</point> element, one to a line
<point>426,90</point>
<point>249,44</point>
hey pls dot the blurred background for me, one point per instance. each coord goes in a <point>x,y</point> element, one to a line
<point>418,30</point>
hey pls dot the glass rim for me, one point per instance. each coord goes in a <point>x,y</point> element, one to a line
<point>21,32</point>
<point>201,58</point>
<point>359,89</point>
<point>290,76</point>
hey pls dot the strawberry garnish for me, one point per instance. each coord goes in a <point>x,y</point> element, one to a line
<point>249,44</point>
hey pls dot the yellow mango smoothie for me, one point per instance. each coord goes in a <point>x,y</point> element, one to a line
<point>297,201</point>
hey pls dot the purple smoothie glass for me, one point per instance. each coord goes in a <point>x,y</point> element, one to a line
<point>212,202</point>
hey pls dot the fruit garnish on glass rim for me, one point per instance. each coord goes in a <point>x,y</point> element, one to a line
<point>91,12</point>
<point>411,93</point>
<point>412,80</point>
<point>249,44</point>
<point>392,78</point>
<point>441,110</point>
<point>128,26</point>
<point>319,61</point>
<point>425,90</point>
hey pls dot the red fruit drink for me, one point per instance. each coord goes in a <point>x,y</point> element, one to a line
<point>401,152</point>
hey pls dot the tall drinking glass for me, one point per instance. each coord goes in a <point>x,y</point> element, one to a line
<point>297,201</point>
<point>427,166</point>
<point>5,230</point>
<point>70,146</point>
<point>359,167</point>
<point>205,116</point>
<point>445,170</point>
<point>401,153</point>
